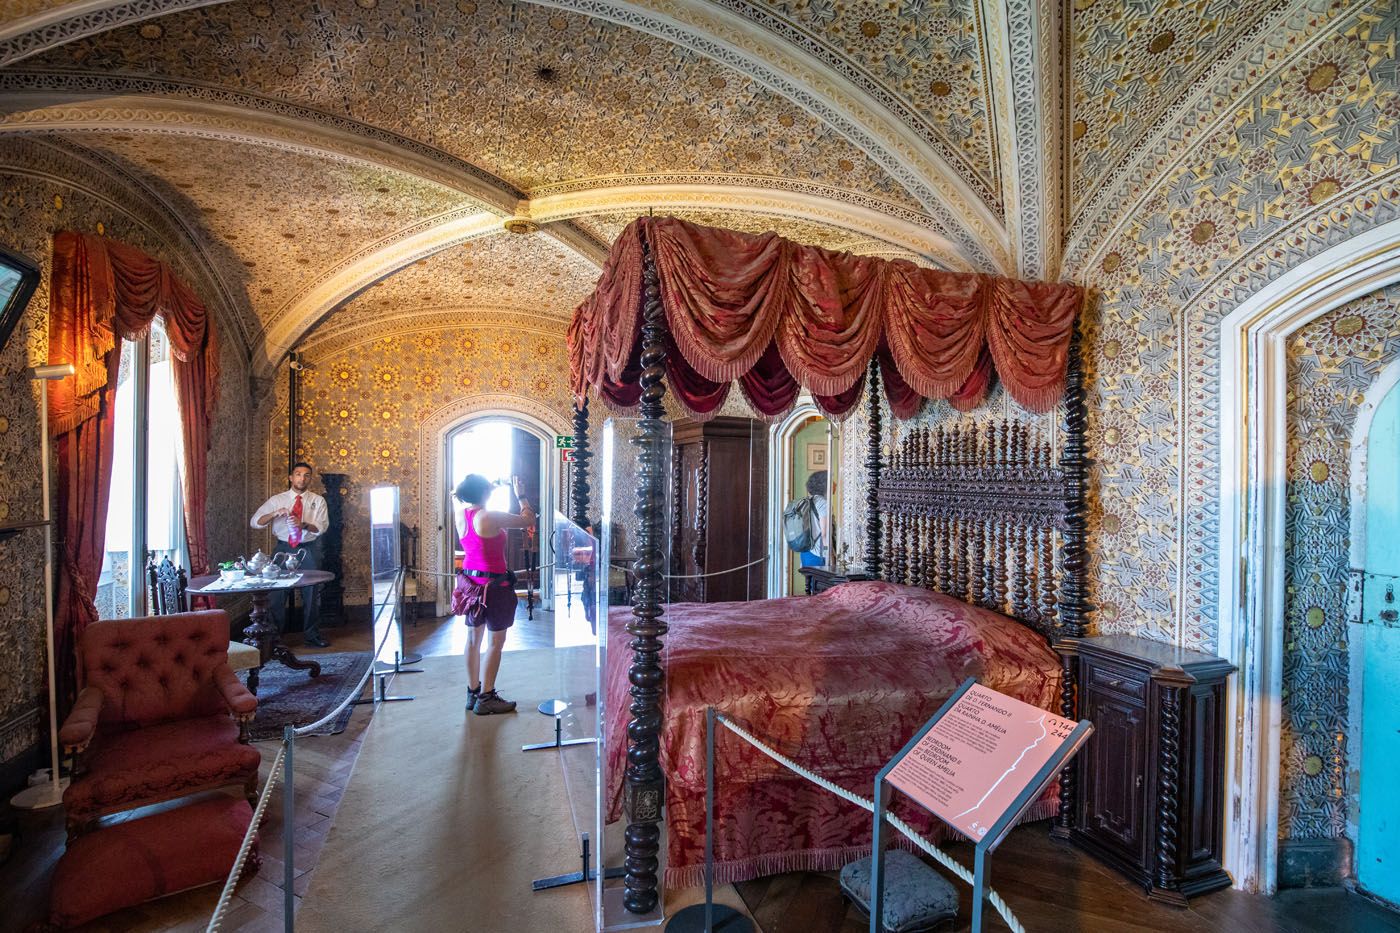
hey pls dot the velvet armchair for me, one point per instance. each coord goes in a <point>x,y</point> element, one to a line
<point>159,715</point>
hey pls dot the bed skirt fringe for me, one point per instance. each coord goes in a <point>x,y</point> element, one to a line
<point>777,863</point>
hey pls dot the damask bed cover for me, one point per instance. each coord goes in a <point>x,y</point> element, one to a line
<point>838,682</point>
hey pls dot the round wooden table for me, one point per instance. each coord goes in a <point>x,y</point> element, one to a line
<point>260,631</point>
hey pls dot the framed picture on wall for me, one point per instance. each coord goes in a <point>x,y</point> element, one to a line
<point>816,456</point>
<point>18,279</point>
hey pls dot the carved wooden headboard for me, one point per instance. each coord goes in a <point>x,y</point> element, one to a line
<point>985,513</point>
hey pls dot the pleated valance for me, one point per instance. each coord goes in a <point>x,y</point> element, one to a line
<point>778,316</point>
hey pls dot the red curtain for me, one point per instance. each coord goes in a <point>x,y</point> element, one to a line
<point>776,316</point>
<point>102,292</point>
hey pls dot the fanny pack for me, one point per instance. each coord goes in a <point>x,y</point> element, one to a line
<point>492,576</point>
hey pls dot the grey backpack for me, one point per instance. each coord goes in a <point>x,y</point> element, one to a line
<point>800,524</point>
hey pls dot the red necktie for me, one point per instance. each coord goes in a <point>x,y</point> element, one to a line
<point>294,534</point>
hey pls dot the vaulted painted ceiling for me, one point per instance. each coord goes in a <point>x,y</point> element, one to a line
<point>343,161</point>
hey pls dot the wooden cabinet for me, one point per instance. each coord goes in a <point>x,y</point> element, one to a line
<point>820,579</point>
<point>720,484</point>
<point>1151,780</point>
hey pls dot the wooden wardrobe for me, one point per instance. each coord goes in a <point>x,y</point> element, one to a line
<point>720,513</point>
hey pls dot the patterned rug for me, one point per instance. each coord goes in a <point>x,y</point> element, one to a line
<point>295,698</point>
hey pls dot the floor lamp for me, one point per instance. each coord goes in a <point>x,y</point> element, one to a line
<point>49,793</point>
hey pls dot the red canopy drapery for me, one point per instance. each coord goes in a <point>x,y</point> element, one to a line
<point>102,292</point>
<point>778,316</point>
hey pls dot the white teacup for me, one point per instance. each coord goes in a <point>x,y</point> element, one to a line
<point>232,576</point>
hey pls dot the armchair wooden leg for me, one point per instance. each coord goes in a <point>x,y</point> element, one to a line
<point>250,791</point>
<point>243,734</point>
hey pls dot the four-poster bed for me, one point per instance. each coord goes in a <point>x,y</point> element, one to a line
<point>690,309</point>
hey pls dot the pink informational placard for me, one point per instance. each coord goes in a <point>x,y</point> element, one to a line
<point>979,757</point>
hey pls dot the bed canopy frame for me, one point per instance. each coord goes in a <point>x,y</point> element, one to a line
<point>973,511</point>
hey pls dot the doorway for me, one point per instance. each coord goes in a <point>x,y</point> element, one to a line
<point>806,460</point>
<point>1378,841</point>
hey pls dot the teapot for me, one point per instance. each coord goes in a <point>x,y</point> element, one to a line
<point>257,562</point>
<point>291,560</point>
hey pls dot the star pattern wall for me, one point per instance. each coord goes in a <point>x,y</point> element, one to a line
<point>365,402</point>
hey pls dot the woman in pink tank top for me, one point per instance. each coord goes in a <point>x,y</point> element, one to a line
<point>489,588</point>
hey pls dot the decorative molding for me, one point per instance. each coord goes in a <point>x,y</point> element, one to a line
<point>214,106</point>
<point>355,273</point>
<point>420,320</point>
<point>905,230</point>
<point>64,22</point>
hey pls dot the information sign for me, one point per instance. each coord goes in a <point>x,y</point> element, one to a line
<point>979,758</point>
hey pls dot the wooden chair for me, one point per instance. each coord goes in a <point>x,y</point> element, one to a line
<point>167,587</point>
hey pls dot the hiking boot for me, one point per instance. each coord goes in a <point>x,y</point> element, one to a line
<point>491,703</point>
<point>473,694</point>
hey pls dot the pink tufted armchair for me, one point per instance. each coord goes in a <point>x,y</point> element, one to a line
<point>159,715</point>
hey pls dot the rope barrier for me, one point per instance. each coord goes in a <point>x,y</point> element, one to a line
<point>939,856</point>
<point>238,863</point>
<point>666,576</point>
<point>364,678</point>
<point>277,771</point>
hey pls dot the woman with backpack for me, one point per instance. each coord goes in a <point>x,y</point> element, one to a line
<point>810,512</point>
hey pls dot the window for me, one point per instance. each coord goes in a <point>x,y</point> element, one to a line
<point>145,510</point>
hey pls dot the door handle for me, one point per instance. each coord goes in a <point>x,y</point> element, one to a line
<point>1389,615</point>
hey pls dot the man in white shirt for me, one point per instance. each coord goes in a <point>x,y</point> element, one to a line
<point>298,518</point>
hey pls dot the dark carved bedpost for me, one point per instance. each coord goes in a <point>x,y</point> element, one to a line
<point>643,788</point>
<point>582,454</point>
<point>1074,589</point>
<point>872,471</point>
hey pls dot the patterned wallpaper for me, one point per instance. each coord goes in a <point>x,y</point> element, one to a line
<point>1331,364</point>
<point>1304,156</point>
<point>31,210</point>
<point>372,408</point>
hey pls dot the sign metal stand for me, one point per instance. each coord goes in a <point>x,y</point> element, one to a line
<point>995,833</point>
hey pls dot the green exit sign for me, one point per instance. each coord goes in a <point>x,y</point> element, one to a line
<point>563,442</point>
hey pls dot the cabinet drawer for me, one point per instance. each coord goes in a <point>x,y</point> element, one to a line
<point>1125,682</point>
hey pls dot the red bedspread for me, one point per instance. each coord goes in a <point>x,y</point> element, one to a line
<point>838,682</point>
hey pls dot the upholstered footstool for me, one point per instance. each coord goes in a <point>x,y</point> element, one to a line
<point>917,898</point>
<point>243,657</point>
<point>139,860</point>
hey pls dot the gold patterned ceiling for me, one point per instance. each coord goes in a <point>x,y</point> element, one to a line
<point>527,274</point>
<point>324,146</point>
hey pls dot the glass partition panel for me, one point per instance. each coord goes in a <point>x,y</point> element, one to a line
<point>623,448</point>
<point>384,570</point>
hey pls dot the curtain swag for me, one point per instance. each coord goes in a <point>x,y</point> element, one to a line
<point>100,293</point>
<point>778,316</point>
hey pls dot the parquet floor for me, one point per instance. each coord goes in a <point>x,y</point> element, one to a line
<point>1052,887</point>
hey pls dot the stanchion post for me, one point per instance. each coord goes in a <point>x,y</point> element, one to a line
<point>877,859</point>
<point>709,819</point>
<point>289,738</point>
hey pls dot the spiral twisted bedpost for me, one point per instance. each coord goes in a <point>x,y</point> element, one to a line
<point>643,788</point>
<point>872,471</point>
<point>1073,600</point>
<point>582,455</point>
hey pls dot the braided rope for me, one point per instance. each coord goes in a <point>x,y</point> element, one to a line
<point>218,916</point>
<point>939,856</point>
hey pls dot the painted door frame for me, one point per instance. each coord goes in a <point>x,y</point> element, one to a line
<point>1253,484</point>
<point>549,484</point>
<point>779,469</point>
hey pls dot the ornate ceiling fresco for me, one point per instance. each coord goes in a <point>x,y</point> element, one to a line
<point>285,216</point>
<point>527,274</point>
<point>534,95</point>
<point>382,131</point>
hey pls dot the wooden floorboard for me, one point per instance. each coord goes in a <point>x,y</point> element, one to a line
<point>1054,887</point>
